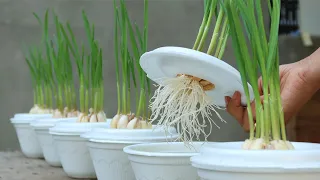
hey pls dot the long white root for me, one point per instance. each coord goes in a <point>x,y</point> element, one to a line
<point>180,101</point>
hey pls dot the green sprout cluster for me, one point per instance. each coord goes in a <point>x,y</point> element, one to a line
<point>127,61</point>
<point>258,55</point>
<point>41,78</point>
<point>52,68</point>
<point>220,33</point>
<point>89,67</point>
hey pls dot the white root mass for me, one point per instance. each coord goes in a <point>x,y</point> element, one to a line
<point>129,122</point>
<point>261,144</point>
<point>182,101</point>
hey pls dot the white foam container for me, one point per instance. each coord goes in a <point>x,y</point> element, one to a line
<point>41,128</point>
<point>168,160</point>
<point>28,141</point>
<point>228,161</point>
<point>169,61</point>
<point>106,149</point>
<point>72,149</point>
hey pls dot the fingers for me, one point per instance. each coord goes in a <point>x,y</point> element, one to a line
<point>235,108</point>
<point>236,98</point>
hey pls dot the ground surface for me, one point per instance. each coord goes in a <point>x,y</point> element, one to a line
<point>14,166</point>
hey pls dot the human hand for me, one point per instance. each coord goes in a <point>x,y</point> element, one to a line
<point>298,83</point>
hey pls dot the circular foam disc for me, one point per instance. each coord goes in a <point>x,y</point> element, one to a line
<point>167,62</point>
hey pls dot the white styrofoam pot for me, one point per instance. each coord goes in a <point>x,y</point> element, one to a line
<point>41,127</point>
<point>168,160</point>
<point>28,115</point>
<point>168,62</point>
<point>106,149</point>
<point>72,149</point>
<point>28,141</point>
<point>228,161</point>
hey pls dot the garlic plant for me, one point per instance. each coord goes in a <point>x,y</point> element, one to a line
<point>41,81</point>
<point>128,59</point>
<point>89,66</point>
<point>182,99</point>
<point>58,52</point>
<point>59,69</point>
<point>259,54</point>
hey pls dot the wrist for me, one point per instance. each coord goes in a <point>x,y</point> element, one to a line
<point>311,70</point>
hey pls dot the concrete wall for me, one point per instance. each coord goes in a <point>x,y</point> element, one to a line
<point>309,17</point>
<point>171,23</point>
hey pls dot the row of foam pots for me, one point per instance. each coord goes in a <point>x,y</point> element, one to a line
<point>90,150</point>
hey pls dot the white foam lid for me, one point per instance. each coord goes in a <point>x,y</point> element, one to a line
<point>167,62</point>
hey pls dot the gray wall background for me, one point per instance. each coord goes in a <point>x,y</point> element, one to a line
<point>172,22</point>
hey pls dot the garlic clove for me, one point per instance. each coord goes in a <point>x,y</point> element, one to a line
<point>101,117</point>
<point>80,116</point>
<point>133,123</point>
<point>57,114</point>
<point>85,119</point>
<point>115,121</point>
<point>258,144</point>
<point>247,143</point>
<point>278,145</point>
<point>138,126</point>
<point>145,125</point>
<point>289,145</point>
<point>131,116</point>
<point>73,113</point>
<point>65,111</point>
<point>93,118</point>
<point>123,122</point>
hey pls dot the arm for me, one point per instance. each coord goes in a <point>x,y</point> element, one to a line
<point>312,69</point>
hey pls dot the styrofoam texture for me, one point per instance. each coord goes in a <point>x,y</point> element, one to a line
<point>168,160</point>
<point>72,149</point>
<point>28,141</point>
<point>110,162</point>
<point>74,128</point>
<point>25,118</point>
<point>228,161</point>
<point>157,133</point>
<point>46,123</point>
<point>167,62</point>
<point>45,139</point>
<point>32,115</point>
<point>74,156</point>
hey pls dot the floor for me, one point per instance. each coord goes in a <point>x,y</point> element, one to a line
<point>14,166</point>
